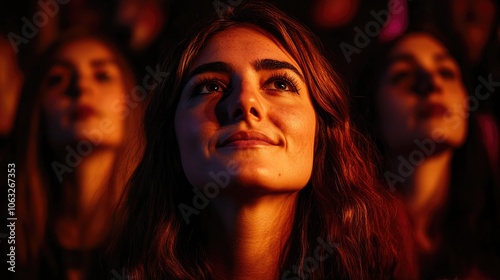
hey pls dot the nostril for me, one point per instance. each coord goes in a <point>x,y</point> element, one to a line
<point>237,114</point>
<point>73,89</point>
<point>424,84</point>
<point>424,88</point>
<point>254,112</point>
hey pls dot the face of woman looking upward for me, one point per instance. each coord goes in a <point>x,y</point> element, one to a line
<point>421,95</point>
<point>83,95</point>
<point>245,103</point>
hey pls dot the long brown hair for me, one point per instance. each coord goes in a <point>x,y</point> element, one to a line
<point>38,186</point>
<point>467,225</point>
<point>343,202</point>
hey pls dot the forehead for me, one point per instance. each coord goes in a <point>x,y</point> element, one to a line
<point>84,50</point>
<point>241,44</point>
<point>419,45</point>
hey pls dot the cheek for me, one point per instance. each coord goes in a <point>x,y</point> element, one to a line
<point>457,100</point>
<point>117,104</point>
<point>460,107</point>
<point>117,109</point>
<point>56,115</point>
<point>298,126</point>
<point>393,108</point>
<point>113,97</point>
<point>396,119</point>
<point>189,130</point>
<point>56,107</point>
<point>463,100</point>
<point>194,127</point>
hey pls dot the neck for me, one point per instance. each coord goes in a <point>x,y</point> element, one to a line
<point>246,238</point>
<point>80,223</point>
<point>425,192</point>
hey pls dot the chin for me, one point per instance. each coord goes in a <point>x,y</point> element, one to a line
<point>245,175</point>
<point>268,180</point>
<point>258,187</point>
<point>455,142</point>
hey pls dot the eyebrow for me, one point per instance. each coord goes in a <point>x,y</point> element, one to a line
<point>443,56</point>
<point>94,63</point>
<point>102,62</point>
<point>216,67</point>
<point>440,57</point>
<point>263,64</point>
<point>60,62</point>
<point>271,64</point>
<point>401,58</point>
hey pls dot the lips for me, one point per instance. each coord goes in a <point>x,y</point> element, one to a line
<point>432,110</point>
<point>83,112</point>
<point>247,139</point>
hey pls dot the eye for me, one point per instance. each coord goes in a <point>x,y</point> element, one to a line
<point>281,85</point>
<point>447,73</point>
<point>282,82</point>
<point>58,76</point>
<point>206,86</point>
<point>102,76</point>
<point>54,80</point>
<point>400,76</point>
<point>211,87</point>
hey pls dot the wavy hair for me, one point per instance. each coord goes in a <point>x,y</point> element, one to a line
<point>343,201</point>
<point>468,223</point>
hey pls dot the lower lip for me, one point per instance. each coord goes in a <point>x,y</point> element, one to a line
<point>85,113</point>
<point>434,112</point>
<point>246,144</point>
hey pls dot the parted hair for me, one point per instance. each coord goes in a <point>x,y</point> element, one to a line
<point>39,185</point>
<point>342,203</point>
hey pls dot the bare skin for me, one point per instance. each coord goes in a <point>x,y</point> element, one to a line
<point>83,97</point>
<point>247,111</point>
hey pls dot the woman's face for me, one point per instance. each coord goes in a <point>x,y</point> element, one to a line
<point>246,106</point>
<point>84,95</point>
<point>474,21</point>
<point>421,96</point>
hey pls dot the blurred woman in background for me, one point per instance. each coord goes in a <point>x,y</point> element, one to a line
<point>11,79</point>
<point>435,156</point>
<point>74,119</point>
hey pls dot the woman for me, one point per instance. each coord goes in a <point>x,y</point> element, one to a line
<point>70,132</point>
<point>424,120</point>
<point>252,168</point>
<point>10,84</point>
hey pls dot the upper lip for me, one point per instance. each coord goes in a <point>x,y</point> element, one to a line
<point>430,109</point>
<point>82,110</point>
<point>246,136</point>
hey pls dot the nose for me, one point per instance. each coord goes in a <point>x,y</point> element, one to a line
<point>425,83</point>
<point>242,103</point>
<point>77,85</point>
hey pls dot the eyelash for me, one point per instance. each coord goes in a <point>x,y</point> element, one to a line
<point>202,82</point>
<point>291,81</point>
